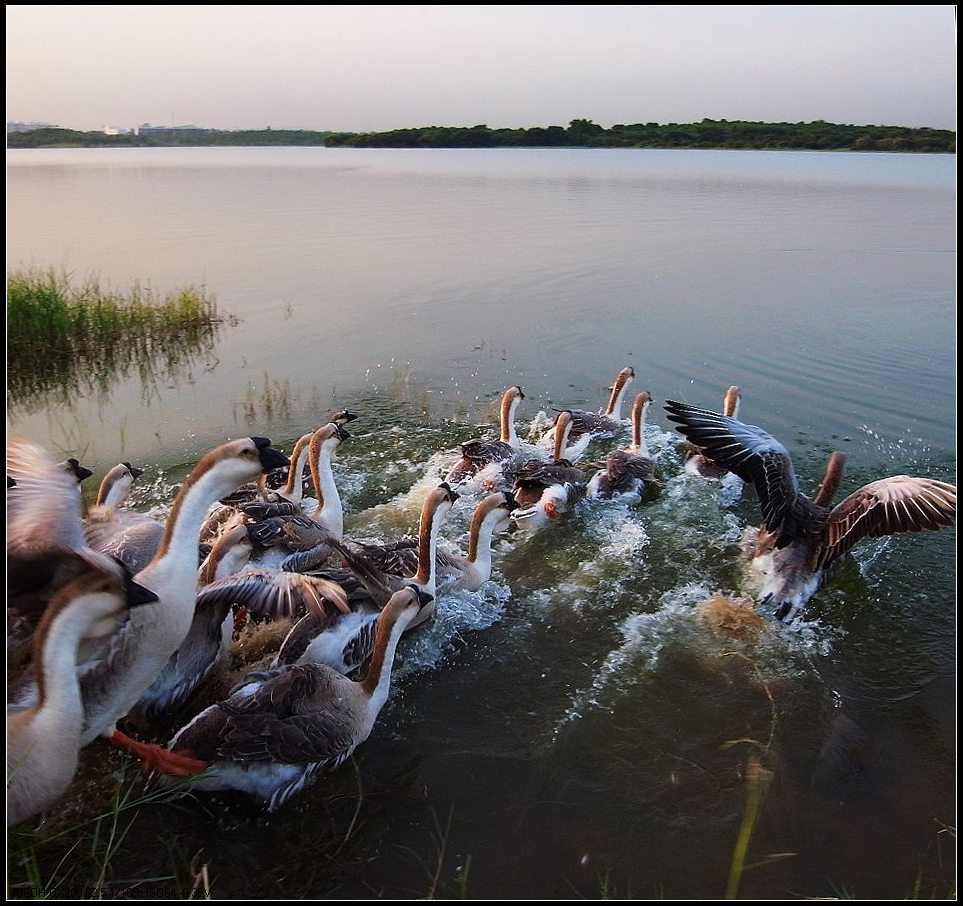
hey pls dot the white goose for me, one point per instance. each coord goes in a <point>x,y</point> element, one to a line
<point>480,454</point>
<point>117,673</point>
<point>588,425</point>
<point>281,728</point>
<point>43,741</point>
<point>627,472</point>
<point>800,540</point>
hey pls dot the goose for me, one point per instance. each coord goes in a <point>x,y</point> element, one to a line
<point>223,583</point>
<point>544,490</point>
<point>453,571</point>
<point>588,425</point>
<point>801,540</point>
<point>629,471</point>
<point>387,567</point>
<point>43,741</point>
<point>116,485</point>
<point>697,464</point>
<point>292,490</point>
<point>290,485</point>
<point>129,536</point>
<point>478,454</point>
<point>123,666</point>
<point>44,521</point>
<point>296,531</point>
<point>281,728</point>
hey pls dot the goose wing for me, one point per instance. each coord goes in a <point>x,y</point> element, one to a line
<point>271,592</point>
<point>283,720</point>
<point>752,454</point>
<point>43,509</point>
<point>900,503</point>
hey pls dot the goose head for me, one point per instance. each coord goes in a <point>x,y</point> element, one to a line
<point>117,483</point>
<point>549,508</point>
<point>622,381</point>
<point>562,429</point>
<point>73,467</point>
<point>730,403</point>
<point>237,461</point>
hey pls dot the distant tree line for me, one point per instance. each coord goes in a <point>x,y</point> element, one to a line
<point>580,133</point>
<point>70,138</point>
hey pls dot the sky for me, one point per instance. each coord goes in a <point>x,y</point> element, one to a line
<point>371,68</point>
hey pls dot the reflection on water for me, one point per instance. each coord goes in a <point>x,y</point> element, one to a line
<point>36,382</point>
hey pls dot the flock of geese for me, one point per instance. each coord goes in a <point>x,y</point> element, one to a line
<point>113,614</point>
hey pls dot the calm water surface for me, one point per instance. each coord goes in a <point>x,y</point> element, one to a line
<point>572,730</point>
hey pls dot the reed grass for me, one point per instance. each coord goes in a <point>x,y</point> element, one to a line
<point>69,337</point>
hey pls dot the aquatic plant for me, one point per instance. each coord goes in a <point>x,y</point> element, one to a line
<point>68,338</point>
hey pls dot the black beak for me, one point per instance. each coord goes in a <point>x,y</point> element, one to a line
<point>343,434</point>
<point>345,415</point>
<point>423,597</point>
<point>510,501</point>
<point>449,493</point>
<point>11,482</point>
<point>137,594</point>
<point>270,458</point>
<point>134,471</point>
<point>79,470</point>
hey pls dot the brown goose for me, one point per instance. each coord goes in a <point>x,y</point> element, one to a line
<point>290,484</point>
<point>801,540</point>
<point>129,536</point>
<point>43,740</point>
<point>696,463</point>
<point>281,728</point>
<point>294,531</point>
<point>587,425</point>
<point>627,472</point>
<point>388,567</point>
<point>478,454</point>
<point>544,490</point>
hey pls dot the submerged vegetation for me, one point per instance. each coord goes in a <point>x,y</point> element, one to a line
<point>580,133</point>
<point>69,338</point>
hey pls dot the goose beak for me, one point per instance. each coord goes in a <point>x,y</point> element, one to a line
<point>511,504</point>
<point>424,598</point>
<point>520,514</point>
<point>79,470</point>
<point>449,493</point>
<point>134,471</point>
<point>345,415</point>
<point>270,458</point>
<point>137,594</point>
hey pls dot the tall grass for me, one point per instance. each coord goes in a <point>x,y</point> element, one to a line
<point>69,337</point>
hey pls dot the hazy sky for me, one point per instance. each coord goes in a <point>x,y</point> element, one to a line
<point>381,67</point>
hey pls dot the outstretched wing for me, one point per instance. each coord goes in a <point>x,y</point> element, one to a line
<point>749,452</point>
<point>900,503</point>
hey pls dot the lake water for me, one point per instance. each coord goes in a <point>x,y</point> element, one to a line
<point>572,730</point>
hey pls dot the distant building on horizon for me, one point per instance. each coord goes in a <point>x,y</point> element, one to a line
<point>148,129</point>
